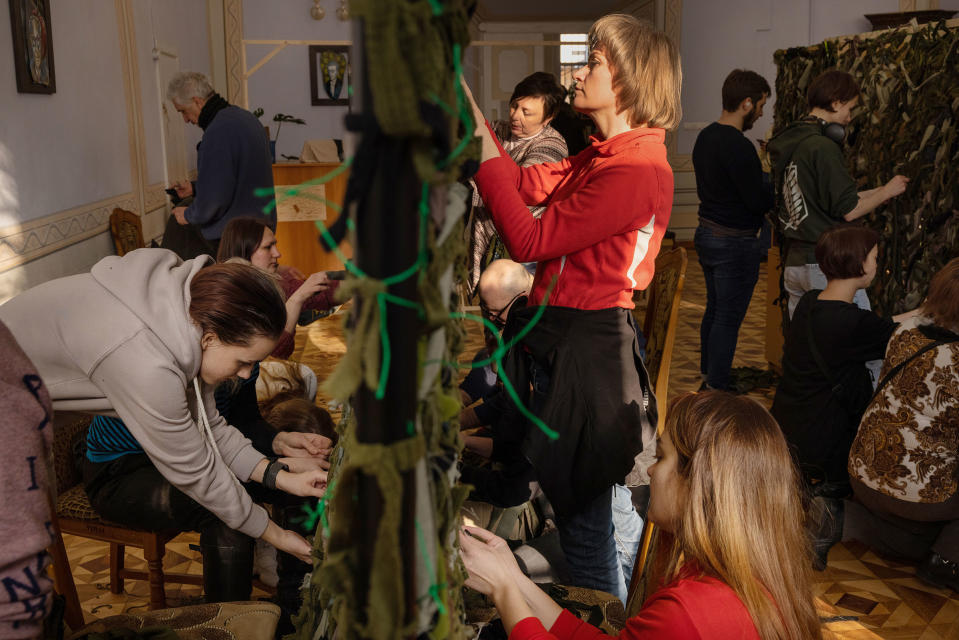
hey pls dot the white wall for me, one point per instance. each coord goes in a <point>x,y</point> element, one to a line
<point>70,147</point>
<point>505,66</point>
<point>718,37</point>
<point>65,158</point>
<point>283,84</point>
<point>180,26</point>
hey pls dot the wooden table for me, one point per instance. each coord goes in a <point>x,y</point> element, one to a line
<point>298,242</point>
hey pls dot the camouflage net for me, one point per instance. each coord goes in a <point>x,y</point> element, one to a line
<point>906,124</point>
<point>413,51</point>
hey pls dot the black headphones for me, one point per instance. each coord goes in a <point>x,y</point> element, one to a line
<point>832,130</point>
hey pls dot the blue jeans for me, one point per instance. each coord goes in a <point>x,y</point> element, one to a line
<point>731,268</point>
<point>627,529</point>
<point>600,555</point>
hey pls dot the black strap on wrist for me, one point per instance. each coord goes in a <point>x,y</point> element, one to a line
<point>273,469</point>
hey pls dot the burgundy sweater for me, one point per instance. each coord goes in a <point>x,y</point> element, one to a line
<point>26,430</point>
<point>320,302</point>
<point>607,209</point>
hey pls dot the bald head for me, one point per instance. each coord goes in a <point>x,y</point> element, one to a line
<point>502,281</point>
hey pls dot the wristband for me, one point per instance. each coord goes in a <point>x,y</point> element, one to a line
<point>272,470</point>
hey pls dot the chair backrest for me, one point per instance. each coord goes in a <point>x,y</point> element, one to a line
<point>68,428</point>
<point>127,231</point>
<point>662,317</point>
<point>659,328</point>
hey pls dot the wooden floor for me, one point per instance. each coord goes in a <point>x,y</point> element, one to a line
<point>862,596</point>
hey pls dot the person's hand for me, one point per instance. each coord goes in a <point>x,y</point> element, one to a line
<point>304,484</point>
<point>286,269</point>
<point>292,543</point>
<point>317,282</point>
<point>292,444</point>
<point>896,186</point>
<point>180,214</point>
<point>488,559</point>
<point>183,188</point>
<point>299,465</point>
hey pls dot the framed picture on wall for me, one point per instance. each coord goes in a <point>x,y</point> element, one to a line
<point>32,46</point>
<point>329,75</point>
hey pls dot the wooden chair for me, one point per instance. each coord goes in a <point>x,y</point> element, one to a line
<point>127,231</point>
<point>659,327</point>
<point>662,318</point>
<point>75,515</point>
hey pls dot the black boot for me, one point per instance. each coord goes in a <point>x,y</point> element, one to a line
<point>227,564</point>
<point>939,572</point>
<point>825,519</point>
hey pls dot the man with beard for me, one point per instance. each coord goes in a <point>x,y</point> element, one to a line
<point>733,199</point>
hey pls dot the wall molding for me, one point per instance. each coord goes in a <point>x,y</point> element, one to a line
<point>21,243</point>
<point>233,36</point>
<point>673,26</point>
<point>154,197</point>
<point>131,90</point>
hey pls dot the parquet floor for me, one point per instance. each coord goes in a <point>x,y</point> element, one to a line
<point>862,596</point>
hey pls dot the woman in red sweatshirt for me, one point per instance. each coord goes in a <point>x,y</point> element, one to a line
<point>735,564</point>
<point>606,210</point>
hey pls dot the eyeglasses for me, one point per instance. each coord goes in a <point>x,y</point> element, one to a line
<point>496,315</point>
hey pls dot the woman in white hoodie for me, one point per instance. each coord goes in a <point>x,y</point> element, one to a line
<point>147,337</point>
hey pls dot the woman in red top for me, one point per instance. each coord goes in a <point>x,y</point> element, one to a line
<point>606,210</point>
<point>736,563</point>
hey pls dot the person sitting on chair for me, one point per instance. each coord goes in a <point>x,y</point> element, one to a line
<point>148,337</point>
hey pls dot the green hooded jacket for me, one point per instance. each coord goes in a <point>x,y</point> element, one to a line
<point>813,188</point>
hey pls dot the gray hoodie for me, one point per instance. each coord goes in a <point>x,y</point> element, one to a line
<point>119,341</point>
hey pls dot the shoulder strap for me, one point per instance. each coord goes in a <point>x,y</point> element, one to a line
<point>938,336</point>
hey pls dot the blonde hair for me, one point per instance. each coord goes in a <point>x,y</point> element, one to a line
<point>743,522</point>
<point>647,73</point>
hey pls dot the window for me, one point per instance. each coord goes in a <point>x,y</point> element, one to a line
<point>572,56</point>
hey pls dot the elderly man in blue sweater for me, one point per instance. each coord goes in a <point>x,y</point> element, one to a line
<point>233,159</point>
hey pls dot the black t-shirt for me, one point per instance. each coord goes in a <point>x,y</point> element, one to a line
<point>819,413</point>
<point>729,178</point>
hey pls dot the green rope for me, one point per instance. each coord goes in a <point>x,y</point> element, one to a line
<point>507,385</point>
<point>316,513</point>
<point>466,117</point>
<point>434,589</point>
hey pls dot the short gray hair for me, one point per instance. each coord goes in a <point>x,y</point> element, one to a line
<point>186,85</point>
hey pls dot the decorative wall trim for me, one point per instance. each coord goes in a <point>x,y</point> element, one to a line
<point>233,36</point>
<point>673,26</point>
<point>131,90</point>
<point>154,197</point>
<point>21,243</point>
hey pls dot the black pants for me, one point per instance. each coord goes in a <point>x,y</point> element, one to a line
<point>130,491</point>
<point>907,527</point>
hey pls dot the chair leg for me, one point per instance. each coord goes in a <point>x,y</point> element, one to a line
<point>117,553</point>
<point>153,551</point>
<point>63,580</point>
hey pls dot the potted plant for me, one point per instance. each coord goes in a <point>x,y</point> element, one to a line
<point>279,119</point>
